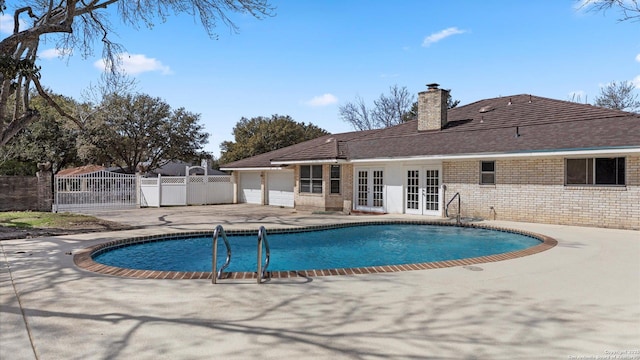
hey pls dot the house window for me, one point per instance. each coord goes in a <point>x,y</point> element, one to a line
<point>595,171</point>
<point>311,179</point>
<point>487,173</point>
<point>335,179</point>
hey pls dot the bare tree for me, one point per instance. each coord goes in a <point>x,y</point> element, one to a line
<point>77,25</point>
<point>357,114</point>
<point>619,96</point>
<point>388,110</point>
<point>629,9</point>
<point>113,83</point>
<point>398,107</point>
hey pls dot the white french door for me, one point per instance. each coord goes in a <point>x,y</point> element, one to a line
<point>422,191</point>
<point>369,190</point>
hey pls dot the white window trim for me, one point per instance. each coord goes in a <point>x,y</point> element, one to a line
<point>592,159</point>
<point>488,172</point>
<point>311,180</point>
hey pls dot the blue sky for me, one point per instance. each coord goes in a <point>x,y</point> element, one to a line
<point>313,56</point>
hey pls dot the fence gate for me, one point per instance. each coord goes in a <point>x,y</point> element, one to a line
<point>96,190</point>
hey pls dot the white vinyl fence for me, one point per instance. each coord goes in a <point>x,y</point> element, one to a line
<point>186,190</point>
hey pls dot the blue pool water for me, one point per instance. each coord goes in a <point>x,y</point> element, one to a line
<point>346,247</point>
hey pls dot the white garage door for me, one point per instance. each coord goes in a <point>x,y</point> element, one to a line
<point>250,191</point>
<point>280,188</point>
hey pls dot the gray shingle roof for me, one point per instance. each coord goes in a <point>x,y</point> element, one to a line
<point>486,126</point>
<point>327,147</point>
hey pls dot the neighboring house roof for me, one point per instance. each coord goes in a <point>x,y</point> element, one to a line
<point>512,124</point>
<point>178,168</point>
<point>80,170</point>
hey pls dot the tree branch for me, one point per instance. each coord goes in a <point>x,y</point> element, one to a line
<point>630,9</point>
<point>55,105</point>
<point>16,17</point>
<point>18,124</point>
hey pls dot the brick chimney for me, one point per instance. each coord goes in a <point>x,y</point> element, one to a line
<point>432,108</point>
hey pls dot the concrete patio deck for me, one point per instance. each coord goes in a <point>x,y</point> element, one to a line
<point>581,299</point>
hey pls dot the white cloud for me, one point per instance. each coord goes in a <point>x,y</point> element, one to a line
<point>134,64</point>
<point>636,81</point>
<point>6,24</point>
<point>54,53</point>
<point>435,37</point>
<point>322,100</point>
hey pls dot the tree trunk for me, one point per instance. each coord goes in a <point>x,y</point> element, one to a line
<point>18,124</point>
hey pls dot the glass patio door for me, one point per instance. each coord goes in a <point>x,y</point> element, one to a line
<point>370,190</point>
<point>422,191</point>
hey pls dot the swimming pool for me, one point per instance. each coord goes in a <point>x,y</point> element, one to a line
<point>328,250</point>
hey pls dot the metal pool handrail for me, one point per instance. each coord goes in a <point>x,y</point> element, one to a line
<point>262,238</point>
<point>446,209</point>
<point>219,231</point>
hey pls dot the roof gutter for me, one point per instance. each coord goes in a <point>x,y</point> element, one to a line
<point>253,168</point>
<point>556,153</point>
<point>484,156</point>
<point>302,162</point>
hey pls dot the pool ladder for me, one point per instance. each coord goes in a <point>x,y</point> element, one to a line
<point>446,209</point>
<point>262,243</point>
<point>262,240</point>
<point>218,232</point>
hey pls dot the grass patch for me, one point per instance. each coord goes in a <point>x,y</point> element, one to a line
<point>43,220</point>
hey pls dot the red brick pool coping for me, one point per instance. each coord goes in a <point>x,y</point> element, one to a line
<point>84,258</point>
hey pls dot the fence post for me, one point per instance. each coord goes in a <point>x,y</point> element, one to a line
<point>159,190</point>
<point>138,189</point>
<point>186,190</point>
<point>45,188</point>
